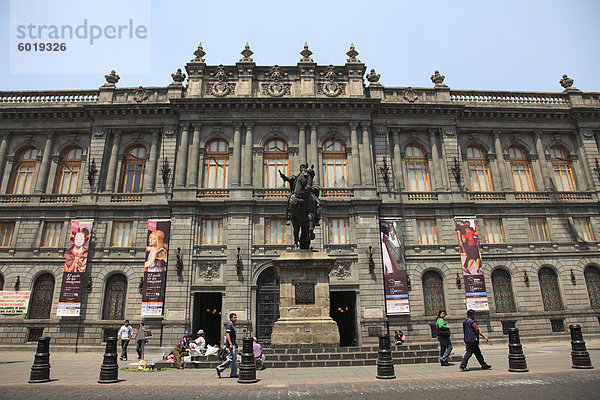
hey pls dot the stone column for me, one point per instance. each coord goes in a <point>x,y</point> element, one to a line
<point>150,173</point>
<point>582,164</point>
<point>366,165</point>
<point>182,155</point>
<point>544,166</point>
<point>314,152</point>
<point>302,142</point>
<point>504,179</point>
<point>192,165</point>
<point>492,160</point>
<point>234,174</point>
<point>111,175</point>
<point>247,167</point>
<point>435,158</point>
<point>5,138</point>
<point>42,179</point>
<point>356,179</point>
<point>397,163</point>
<point>200,167</point>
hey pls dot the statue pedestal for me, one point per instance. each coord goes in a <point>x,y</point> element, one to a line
<point>304,299</point>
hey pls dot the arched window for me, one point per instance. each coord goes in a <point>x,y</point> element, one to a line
<point>503,296</point>
<point>335,164</point>
<point>67,175</point>
<point>433,291</point>
<point>550,291</point>
<point>216,160</point>
<point>592,281</point>
<point>114,297</point>
<point>563,172</point>
<point>521,169</point>
<point>479,170</point>
<point>134,162</point>
<point>275,158</point>
<point>41,297</point>
<point>416,165</point>
<point>23,171</point>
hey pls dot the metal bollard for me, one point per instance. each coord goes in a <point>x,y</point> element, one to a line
<point>40,370</point>
<point>516,358</point>
<point>579,354</point>
<point>109,371</point>
<point>385,363</point>
<point>247,367</point>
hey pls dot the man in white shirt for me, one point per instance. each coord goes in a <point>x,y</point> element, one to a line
<point>125,334</point>
<point>200,341</point>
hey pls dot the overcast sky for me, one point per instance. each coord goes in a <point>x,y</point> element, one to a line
<point>520,45</point>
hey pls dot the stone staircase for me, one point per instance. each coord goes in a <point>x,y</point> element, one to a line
<point>295,356</point>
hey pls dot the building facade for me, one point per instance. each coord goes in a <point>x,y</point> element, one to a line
<point>205,152</point>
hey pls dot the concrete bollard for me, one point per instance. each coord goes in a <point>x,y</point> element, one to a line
<point>247,367</point>
<point>579,354</point>
<point>109,371</point>
<point>385,363</point>
<point>516,358</point>
<point>40,370</point>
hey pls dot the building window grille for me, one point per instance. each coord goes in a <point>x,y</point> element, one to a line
<point>592,281</point>
<point>494,232</point>
<point>433,292</point>
<point>52,234</point>
<point>67,177</point>
<point>521,169</point>
<point>134,162</point>
<point>6,232</point>
<point>479,170</point>
<point>212,231</point>
<point>558,325</point>
<point>564,179</point>
<point>503,297</point>
<point>121,234</point>
<point>339,231</point>
<point>33,334</point>
<point>275,231</point>
<point>335,164</point>
<point>583,229</point>
<point>427,231</point>
<point>23,171</point>
<point>416,167</point>
<point>539,230</point>
<point>550,290</point>
<point>41,297</point>
<point>114,297</point>
<point>506,325</point>
<point>275,159</point>
<point>216,161</point>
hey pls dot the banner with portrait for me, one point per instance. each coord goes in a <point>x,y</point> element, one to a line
<point>395,280</point>
<point>472,265</point>
<point>69,302</point>
<point>155,267</point>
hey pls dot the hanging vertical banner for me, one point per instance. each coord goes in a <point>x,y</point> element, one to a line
<point>155,268</point>
<point>468,239</point>
<point>69,302</point>
<point>394,267</point>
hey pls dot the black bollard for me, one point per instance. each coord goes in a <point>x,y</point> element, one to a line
<point>516,358</point>
<point>109,371</point>
<point>385,363</point>
<point>247,367</point>
<point>40,370</point>
<point>579,354</point>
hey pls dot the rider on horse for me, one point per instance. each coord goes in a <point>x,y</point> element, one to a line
<point>313,191</point>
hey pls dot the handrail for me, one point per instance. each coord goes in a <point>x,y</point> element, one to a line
<point>49,96</point>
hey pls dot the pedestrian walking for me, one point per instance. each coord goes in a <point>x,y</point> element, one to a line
<point>442,331</point>
<point>471,337</point>
<point>125,333</point>
<point>141,338</point>
<point>230,336</point>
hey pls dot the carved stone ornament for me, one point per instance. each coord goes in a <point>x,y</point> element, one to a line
<point>220,88</point>
<point>246,53</point>
<point>140,95</point>
<point>352,53</point>
<point>341,269</point>
<point>178,77</point>
<point>306,53</point>
<point>209,272</point>
<point>373,77</point>
<point>449,131</point>
<point>305,292</point>
<point>199,53</point>
<point>566,82</point>
<point>99,132</point>
<point>276,88</point>
<point>331,88</point>
<point>169,130</point>
<point>111,79</point>
<point>410,95</point>
<point>438,79</point>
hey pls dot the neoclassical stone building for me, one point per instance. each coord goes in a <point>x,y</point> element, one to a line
<point>204,152</point>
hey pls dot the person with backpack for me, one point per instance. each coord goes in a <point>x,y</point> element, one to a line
<point>443,336</point>
<point>471,336</point>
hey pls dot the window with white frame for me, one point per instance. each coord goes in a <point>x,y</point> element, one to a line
<point>479,170</point>
<point>339,231</point>
<point>416,166</point>
<point>275,159</point>
<point>67,175</point>
<point>427,231</point>
<point>212,231</point>
<point>23,170</point>
<point>216,160</point>
<point>122,234</point>
<point>335,164</point>
<point>521,169</point>
<point>275,231</point>
<point>563,172</point>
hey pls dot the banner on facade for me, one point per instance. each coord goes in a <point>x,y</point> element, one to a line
<point>394,267</point>
<point>69,302</point>
<point>155,268</point>
<point>14,302</point>
<point>472,265</point>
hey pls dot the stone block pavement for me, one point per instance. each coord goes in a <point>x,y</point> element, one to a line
<point>551,376</point>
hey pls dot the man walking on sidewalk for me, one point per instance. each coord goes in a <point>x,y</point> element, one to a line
<point>125,334</point>
<point>230,335</point>
<point>471,337</point>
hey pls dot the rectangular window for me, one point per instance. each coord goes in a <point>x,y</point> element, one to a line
<point>215,172</point>
<point>6,232</point>
<point>52,234</point>
<point>494,232</point>
<point>339,231</point>
<point>427,231</point>
<point>539,230</point>
<point>480,177</point>
<point>335,172</point>
<point>212,231</point>
<point>122,234</point>
<point>275,231</point>
<point>583,229</point>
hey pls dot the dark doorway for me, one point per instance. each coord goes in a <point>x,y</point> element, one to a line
<point>343,311</point>
<point>207,316</point>
<point>267,304</point>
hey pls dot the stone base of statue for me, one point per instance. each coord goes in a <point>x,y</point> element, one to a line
<point>304,299</point>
